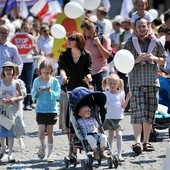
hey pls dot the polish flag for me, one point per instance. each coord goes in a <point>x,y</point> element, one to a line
<point>54,8</point>
<point>40,9</point>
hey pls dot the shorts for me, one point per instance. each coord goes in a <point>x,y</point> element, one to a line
<point>144,103</point>
<point>113,124</point>
<point>46,118</point>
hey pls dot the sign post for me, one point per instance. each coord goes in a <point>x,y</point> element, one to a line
<point>23,42</point>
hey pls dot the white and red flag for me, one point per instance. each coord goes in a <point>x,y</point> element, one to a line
<point>46,9</point>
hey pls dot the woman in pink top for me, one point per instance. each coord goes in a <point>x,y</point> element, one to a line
<point>100,50</point>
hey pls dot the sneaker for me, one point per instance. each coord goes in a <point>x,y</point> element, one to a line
<point>41,153</point>
<point>96,155</point>
<point>2,152</point>
<point>11,159</point>
<point>21,143</point>
<point>50,159</point>
<point>121,159</point>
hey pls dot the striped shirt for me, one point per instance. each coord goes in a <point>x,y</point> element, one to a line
<point>146,74</point>
<point>9,52</point>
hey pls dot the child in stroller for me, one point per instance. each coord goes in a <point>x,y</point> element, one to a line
<point>89,128</point>
<point>84,100</point>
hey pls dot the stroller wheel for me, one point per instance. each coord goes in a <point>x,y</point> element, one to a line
<point>90,162</point>
<point>74,159</point>
<point>90,159</point>
<point>115,161</point>
<point>109,161</point>
<point>84,165</point>
<point>66,161</point>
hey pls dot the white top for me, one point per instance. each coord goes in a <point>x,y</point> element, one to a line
<point>113,105</point>
<point>8,91</point>
<point>46,46</point>
<point>147,16</point>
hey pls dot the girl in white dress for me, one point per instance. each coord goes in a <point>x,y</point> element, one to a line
<point>115,103</point>
<point>10,95</point>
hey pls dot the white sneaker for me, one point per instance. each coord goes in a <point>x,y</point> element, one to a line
<point>121,159</point>
<point>21,143</point>
<point>50,159</point>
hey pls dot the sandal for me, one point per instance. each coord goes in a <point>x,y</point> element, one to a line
<point>137,148</point>
<point>148,147</point>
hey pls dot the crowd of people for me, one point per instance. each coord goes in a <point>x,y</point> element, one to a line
<point>85,62</point>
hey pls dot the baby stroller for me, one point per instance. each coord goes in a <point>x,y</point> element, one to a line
<point>162,121</point>
<point>95,100</point>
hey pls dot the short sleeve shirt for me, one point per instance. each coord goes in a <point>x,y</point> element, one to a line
<point>146,74</point>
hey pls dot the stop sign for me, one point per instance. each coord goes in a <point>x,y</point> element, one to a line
<point>23,42</point>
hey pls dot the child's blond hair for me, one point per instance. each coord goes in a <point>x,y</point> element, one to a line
<point>114,77</point>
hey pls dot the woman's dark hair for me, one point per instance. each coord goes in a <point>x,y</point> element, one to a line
<point>3,74</point>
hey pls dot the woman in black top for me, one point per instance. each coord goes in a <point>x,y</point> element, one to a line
<point>75,70</point>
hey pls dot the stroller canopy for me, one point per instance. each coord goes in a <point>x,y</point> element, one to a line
<point>82,96</point>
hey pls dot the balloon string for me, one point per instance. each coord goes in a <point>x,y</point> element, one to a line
<point>129,83</point>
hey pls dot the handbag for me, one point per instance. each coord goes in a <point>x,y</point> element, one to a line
<point>18,127</point>
<point>6,122</point>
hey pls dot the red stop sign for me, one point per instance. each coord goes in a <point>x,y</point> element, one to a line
<point>23,42</point>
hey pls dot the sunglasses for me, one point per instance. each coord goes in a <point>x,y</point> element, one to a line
<point>45,30</point>
<point>72,39</point>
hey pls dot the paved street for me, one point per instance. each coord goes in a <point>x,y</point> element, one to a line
<point>27,158</point>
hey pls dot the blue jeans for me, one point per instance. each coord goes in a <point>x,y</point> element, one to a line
<point>27,77</point>
<point>97,80</point>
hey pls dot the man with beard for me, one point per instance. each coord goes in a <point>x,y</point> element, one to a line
<point>144,85</point>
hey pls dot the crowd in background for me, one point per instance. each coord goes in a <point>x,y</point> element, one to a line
<point>87,61</point>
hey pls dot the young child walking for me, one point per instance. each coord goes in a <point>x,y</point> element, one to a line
<point>10,95</point>
<point>46,91</point>
<point>141,6</point>
<point>89,128</point>
<point>20,112</point>
<point>115,103</point>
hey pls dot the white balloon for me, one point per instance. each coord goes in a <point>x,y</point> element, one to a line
<point>81,2</point>
<point>73,10</point>
<point>30,19</point>
<point>91,4</point>
<point>17,23</point>
<point>11,28</point>
<point>58,31</point>
<point>117,18</point>
<point>93,18</point>
<point>162,18</point>
<point>153,13</point>
<point>108,26</point>
<point>124,61</point>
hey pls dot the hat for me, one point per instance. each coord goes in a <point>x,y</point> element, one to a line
<point>8,64</point>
